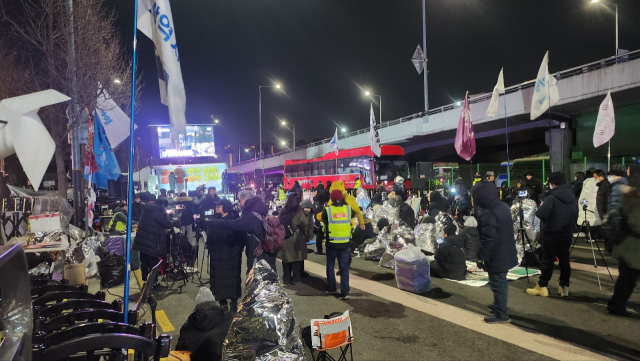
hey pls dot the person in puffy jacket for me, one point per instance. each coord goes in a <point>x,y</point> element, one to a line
<point>150,240</point>
<point>204,332</point>
<point>437,204</point>
<point>296,226</point>
<point>497,253</point>
<point>603,194</point>
<point>450,258</point>
<point>251,226</point>
<point>617,178</point>
<point>472,238</point>
<point>589,195</point>
<point>558,214</point>
<point>407,214</point>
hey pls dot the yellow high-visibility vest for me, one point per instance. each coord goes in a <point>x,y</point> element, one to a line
<point>358,184</point>
<point>281,195</point>
<point>120,226</point>
<point>339,223</point>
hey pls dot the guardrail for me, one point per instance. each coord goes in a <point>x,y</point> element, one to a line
<point>603,63</point>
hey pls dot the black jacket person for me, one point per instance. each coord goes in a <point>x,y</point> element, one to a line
<point>497,253</point>
<point>558,214</point>
<point>150,240</point>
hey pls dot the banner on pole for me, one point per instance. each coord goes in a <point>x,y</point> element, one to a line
<point>606,123</point>
<point>497,90</point>
<point>108,167</point>
<point>418,59</point>
<point>156,22</point>
<point>116,123</point>
<point>545,92</point>
<point>465,142</point>
<point>373,134</point>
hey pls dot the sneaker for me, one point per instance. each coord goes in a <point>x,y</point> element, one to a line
<point>493,319</point>
<point>320,253</point>
<point>344,298</point>
<point>538,291</point>
<point>331,292</point>
<point>622,313</point>
<point>338,273</point>
<point>564,291</point>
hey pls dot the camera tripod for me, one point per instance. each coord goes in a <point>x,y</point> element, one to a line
<point>523,234</point>
<point>200,235</point>
<point>587,227</point>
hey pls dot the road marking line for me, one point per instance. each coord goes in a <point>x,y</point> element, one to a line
<point>539,343</point>
<point>164,322</point>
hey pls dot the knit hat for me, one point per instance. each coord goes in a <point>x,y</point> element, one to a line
<point>470,221</point>
<point>336,195</point>
<point>382,222</point>
<point>557,178</point>
<point>306,204</point>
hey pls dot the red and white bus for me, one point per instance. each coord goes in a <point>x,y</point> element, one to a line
<point>349,164</point>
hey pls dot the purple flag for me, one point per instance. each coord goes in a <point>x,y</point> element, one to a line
<point>465,137</point>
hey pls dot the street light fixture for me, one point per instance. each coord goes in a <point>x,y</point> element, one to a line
<point>292,129</point>
<point>369,94</point>
<point>344,130</point>
<point>277,86</point>
<point>616,6</point>
<point>117,81</point>
<point>215,120</point>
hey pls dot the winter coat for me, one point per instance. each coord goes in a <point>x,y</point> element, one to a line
<point>348,199</point>
<point>400,191</point>
<point>225,247</point>
<point>628,250</point>
<point>204,332</point>
<point>359,236</point>
<point>438,202</point>
<point>297,188</point>
<point>495,226</point>
<point>451,258</point>
<point>616,198</point>
<point>602,198</point>
<point>324,218</point>
<point>119,215</point>
<point>320,194</point>
<point>590,194</point>
<point>248,224</point>
<point>295,246</point>
<point>150,238</point>
<point>186,215</point>
<point>208,203</point>
<point>463,203</point>
<point>471,242</point>
<point>407,214</point>
<point>576,187</point>
<point>136,211</point>
<point>376,200</point>
<point>310,220</point>
<point>559,210</point>
<point>536,187</point>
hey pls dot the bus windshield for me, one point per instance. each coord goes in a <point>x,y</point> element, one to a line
<point>388,167</point>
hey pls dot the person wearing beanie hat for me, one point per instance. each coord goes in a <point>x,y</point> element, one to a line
<point>337,222</point>
<point>559,214</point>
<point>472,238</point>
<point>383,222</point>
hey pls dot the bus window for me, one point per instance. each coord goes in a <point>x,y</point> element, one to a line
<point>321,168</point>
<point>288,170</point>
<point>314,168</point>
<point>331,167</point>
<point>303,170</point>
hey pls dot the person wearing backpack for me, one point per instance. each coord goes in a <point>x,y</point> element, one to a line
<point>296,226</point>
<point>337,220</point>
<point>250,223</point>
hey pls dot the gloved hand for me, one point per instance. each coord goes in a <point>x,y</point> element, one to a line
<point>480,264</point>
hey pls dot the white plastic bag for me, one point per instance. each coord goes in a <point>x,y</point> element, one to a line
<point>412,270</point>
<point>91,263</point>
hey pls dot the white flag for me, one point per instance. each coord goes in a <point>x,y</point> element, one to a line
<point>114,121</point>
<point>418,59</point>
<point>334,142</point>
<point>545,93</point>
<point>497,90</point>
<point>606,123</point>
<point>373,134</point>
<point>156,22</point>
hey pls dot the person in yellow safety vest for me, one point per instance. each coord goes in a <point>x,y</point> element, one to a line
<point>358,183</point>
<point>281,194</point>
<point>118,223</point>
<point>477,178</point>
<point>348,199</point>
<point>337,220</point>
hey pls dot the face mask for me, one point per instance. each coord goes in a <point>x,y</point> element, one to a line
<point>611,178</point>
<point>551,186</point>
<point>307,211</point>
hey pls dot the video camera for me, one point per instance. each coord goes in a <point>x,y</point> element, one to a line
<point>584,203</point>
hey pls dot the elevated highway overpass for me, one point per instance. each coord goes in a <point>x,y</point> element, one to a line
<point>431,137</point>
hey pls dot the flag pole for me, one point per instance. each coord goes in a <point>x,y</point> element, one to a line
<point>609,157</point>
<point>506,128</point>
<point>130,178</point>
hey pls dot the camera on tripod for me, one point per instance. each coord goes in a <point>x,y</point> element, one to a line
<point>585,204</point>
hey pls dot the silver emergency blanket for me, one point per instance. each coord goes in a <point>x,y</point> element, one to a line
<point>51,236</point>
<point>265,328</point>
<point>530,224</point>
<point>41,269</point>
<point>426,237</point>
<point>81,250</point>
<point>402,237</point>
<point>374,251</point>
<point>362,198</point>
<point>387,211</point>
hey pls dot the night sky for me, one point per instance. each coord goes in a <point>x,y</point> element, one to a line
<point>325,51</point>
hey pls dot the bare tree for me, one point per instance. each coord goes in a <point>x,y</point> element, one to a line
<point>39,28</point>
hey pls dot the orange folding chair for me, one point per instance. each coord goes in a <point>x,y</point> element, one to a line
<point>330,334</point>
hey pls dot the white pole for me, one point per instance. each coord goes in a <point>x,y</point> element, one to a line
<point>609,156</point>
<point>424,46</point>
<point>616,28</point>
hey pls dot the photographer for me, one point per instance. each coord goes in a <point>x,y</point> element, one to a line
<point>558,213</point>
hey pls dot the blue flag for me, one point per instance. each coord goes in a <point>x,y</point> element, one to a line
<point>108,167</point>
<point>334,142</point>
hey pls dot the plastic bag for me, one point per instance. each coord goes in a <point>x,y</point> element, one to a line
<point>412,270</point>
<point>204,295</point>
<point>112,269</point>
<point>91,264</point>
<point>362,198</point>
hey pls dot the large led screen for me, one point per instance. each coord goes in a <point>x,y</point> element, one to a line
<point>197,141</point>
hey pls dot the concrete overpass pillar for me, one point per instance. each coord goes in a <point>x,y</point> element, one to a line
<point>559,142</point>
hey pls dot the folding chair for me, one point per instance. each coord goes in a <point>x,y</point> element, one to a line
<point>334,333</point>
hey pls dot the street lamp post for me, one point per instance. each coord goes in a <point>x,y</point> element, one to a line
<point>424,46</point>
<point>369,94</point>
<point>292,129</point>
<point>615,6</point>
<point>277,86</point>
